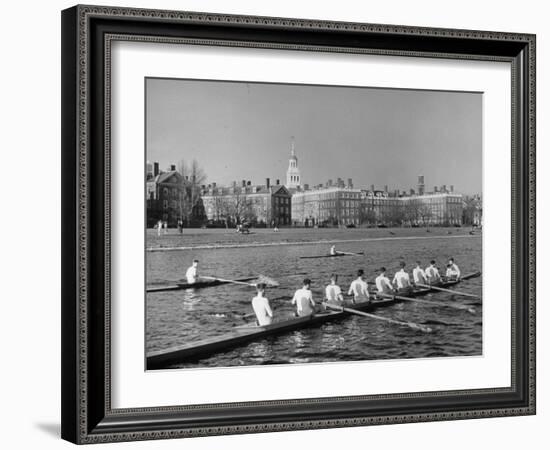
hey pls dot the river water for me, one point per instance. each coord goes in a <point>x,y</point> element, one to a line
<point>183,316</point>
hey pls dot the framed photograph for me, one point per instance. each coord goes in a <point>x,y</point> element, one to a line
<point>281,224</point>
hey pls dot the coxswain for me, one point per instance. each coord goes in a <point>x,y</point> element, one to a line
<point>401,279</point>
<point>303,299</point>
<point>261,307</point>
<point>452,272</point>
<point>333,293</point>
<point>383,285</point>
<point>419,276</point>
<point>432,274</point>
<point>192,273</point>
<point>359,288</point>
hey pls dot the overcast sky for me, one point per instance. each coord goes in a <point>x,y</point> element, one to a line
<point>239,130</point>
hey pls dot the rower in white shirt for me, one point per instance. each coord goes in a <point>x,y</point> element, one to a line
<point>359,288</point>
<point>333,293</point>
<point>261,307</point>
<point>192,273</point>
<point>401,279</point>
<point>332,250</point>
<point>303,299</point>
<point>419,276</point>
<point>383,285</point>
<point>432,274</point>
<point>453,272</point>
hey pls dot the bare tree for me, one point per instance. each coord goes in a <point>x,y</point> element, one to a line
<point>425,214</point>
<point>193,177</point>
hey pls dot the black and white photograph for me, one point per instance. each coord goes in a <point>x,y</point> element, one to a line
<point>294,224</point>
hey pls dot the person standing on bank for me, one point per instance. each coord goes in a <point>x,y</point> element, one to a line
<point>261,307</point>
<point>159,227</point>
<point>359,288</point>
<point>303,299</point>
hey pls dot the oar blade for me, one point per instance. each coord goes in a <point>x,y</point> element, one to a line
<point>267,281</point>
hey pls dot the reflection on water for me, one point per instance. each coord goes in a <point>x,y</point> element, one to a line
<point>181,317</point>
<point>190,299</point>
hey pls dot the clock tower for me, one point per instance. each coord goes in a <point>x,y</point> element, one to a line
<point>293,173</point>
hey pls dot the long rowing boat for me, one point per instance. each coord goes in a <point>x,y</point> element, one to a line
<point>244,335</point>
<point>333,256</point>
<point>197,285</point>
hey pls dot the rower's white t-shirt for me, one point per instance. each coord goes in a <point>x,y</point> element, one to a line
<point>419,276</point>
<point>332,292</point>
<point>383,284</point>
<point>432,273</point>
<point>360,290</point>
<point>453,271</point>
<point>402,279</point>
<point>191,274</point>
<point>303,299</point>
<point>263,311</point>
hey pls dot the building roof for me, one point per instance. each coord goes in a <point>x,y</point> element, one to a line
<point>164,177</point>
<point>248,190</point>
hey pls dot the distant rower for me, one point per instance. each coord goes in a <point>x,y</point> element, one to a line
<point>453,272</point>
<point>401,280</point>
<point>262,309</point>
<point>359,288</point>
<point>333,293</point>
<point>419,276</point>
<point>303,299</point>
<point>383,284</point>
<point>192,273</point>
<point>432,274</point>
<point>333,250</point>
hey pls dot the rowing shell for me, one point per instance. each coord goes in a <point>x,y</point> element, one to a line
<point>332,256</point>
<point>244,335</point>
<point>197,285</point>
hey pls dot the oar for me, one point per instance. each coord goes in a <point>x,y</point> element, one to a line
<point>261,279</point>
<point>465,294</point>
<point>427,302</point>
<point>348,253</point>
<point>227,281</point>
<point>412,325</point>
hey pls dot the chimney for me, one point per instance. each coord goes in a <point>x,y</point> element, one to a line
<point>214,185</point>
<point>278,182</point>
<point>267,183</point>
<point>386,188</point>
<point>234,184</point>
<point>249,183</point>
<point>243,183</point>
<point>412,191</point>
<point>452,188</point>
<point>350,183</point>
<point>155,168</point>
<point>372,187</point>
<point>435,189</point>
<point>306,187</point>
<point>444,188</point>
<point>330,182</point>
<point>173,167</point>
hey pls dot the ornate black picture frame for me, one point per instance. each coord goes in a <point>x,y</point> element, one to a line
<point>87,34</point>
